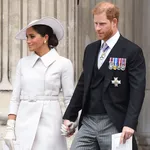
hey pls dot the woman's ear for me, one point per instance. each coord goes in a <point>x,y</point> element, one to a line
<point>46,37</point>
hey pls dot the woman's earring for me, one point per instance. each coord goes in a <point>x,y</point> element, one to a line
<point>45,42</point>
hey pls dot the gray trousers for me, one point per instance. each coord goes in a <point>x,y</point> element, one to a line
<point>94,134</point>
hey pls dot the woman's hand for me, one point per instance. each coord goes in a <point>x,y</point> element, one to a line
<point>10,134</point>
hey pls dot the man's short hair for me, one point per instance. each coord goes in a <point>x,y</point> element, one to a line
<point>111,10</point>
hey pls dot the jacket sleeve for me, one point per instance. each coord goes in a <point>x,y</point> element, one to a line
<point>67,79</point>
<point>75,105</point>
<point>15,98</point>
<point>137,81</point>
<point>76,101</point>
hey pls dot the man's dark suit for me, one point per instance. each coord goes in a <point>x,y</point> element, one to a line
<point>122,103</point>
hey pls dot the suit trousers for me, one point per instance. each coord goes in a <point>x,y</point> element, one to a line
<point>94,134</point>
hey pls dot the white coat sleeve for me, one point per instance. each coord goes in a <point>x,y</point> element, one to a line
<point>67,80</point>
<point>15,98</point>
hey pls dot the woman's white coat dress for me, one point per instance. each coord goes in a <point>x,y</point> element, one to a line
<point>38,83</point>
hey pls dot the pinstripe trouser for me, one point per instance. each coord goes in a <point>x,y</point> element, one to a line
<point>94,134</point>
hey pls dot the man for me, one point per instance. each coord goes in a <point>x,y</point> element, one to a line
<point>111,88</point>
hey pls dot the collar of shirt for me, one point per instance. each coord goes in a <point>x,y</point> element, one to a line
<point>112,41</point>
<point>47,59</point>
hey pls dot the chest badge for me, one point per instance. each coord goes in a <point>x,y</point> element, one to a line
<point>117,63</point>
<point>116,82</point>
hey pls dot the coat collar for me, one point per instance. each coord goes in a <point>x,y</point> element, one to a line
<point>47,59</point>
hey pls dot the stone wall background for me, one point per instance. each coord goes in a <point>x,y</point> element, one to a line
<point>77,21</point>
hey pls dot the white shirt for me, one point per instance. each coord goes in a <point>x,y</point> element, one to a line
<point>111,43</point>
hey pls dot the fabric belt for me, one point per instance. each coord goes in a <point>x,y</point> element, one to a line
<point>38,98</point>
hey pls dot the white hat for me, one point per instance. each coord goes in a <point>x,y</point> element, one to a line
<point>52,22</point>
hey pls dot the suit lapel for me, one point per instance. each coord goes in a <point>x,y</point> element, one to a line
<point>90,61</point>
<point>115,52</point>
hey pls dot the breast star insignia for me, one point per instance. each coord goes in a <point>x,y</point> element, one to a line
<point>116,82</point>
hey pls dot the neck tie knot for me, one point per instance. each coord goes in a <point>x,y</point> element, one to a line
<point>104,47</point>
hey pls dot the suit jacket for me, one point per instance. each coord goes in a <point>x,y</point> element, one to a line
<point>122,103</point>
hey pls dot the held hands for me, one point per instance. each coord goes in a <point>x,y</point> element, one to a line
<point>10,134</point>
<point>68,128</point>
<point>126,134</point>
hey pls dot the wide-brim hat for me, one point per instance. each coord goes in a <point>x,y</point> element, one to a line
<point>49,21</point>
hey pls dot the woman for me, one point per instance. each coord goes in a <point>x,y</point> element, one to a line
<point>35,118</point>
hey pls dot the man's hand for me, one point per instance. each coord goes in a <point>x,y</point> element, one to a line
<point>126,134</point>
<point>68,128</point>
<point>10,134</point>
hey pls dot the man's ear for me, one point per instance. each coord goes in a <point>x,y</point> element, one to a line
<point>114,22</point>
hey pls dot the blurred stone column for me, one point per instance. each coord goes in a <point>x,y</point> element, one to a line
<point>144,120</point>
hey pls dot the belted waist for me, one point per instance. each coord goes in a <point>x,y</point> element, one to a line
<point>38,98</point>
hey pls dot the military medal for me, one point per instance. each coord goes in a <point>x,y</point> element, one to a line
<point>123,64</point>
<point>115,63</point>
<point>119,64</point>
<point>111,63</point>
<point>116,82</point>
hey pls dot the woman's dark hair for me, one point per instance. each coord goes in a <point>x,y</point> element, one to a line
<point>43,30</point>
